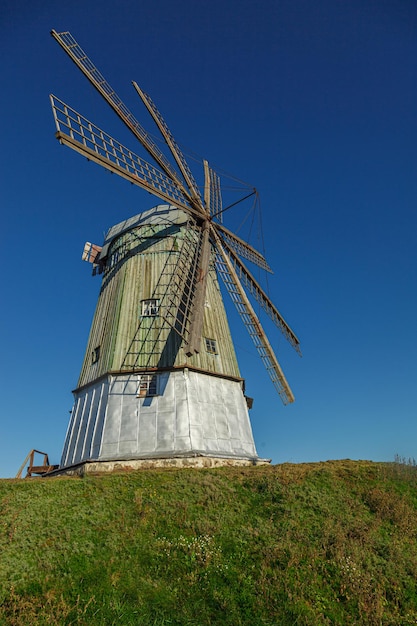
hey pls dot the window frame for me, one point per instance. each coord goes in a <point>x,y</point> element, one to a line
<point>148,385</point>
<point>150,307</point>
<point>95,355</point>
<point>211,345</point>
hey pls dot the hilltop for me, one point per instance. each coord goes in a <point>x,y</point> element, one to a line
<point>308,544</point>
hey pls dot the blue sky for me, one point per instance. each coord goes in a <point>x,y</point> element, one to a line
<point>315,104</point>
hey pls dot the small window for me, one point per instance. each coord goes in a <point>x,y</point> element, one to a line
<point>148,385</point>
<point>114,258</point>
<point>95,355</point>
<point>211,346</point>
<point>150,308</point>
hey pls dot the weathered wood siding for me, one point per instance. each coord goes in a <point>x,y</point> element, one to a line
<point>136,259</point>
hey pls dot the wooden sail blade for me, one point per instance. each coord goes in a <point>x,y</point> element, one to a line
<point>197,306</point>
<point>207,187</point>
<point>194,342</point>
<point>171,143</point>
<point>77,54</point>
<point>212,192</point>
<point>216,205</point>
<point>248,315</point>
<point>83,136</point>
<point>243,248</point>
<point>197,311</point>
<point>256,290</point>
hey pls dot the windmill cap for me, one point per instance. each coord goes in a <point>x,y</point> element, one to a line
<point>162,214</point>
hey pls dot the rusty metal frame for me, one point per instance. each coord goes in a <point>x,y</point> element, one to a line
<point>39,470</point>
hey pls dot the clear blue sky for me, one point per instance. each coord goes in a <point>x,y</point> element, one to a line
<point>315,104</point>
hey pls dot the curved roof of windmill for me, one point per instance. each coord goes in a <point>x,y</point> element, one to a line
<point>162,214</point>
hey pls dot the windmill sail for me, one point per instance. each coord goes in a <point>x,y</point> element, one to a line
<point>256,290</point>
<point>77,54</point>
<point>243,248</point>
<point>214,204</point>
<point>171,297</point>
<point>253,325</point>
<point>196,326</point>
<point>78,133</point>
<point>171,143</point>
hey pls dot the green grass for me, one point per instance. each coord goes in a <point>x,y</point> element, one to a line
<point>310,544</point>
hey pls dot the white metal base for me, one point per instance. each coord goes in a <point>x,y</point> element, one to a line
<point>193,415</point>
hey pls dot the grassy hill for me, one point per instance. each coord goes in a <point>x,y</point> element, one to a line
<point>310,544</point>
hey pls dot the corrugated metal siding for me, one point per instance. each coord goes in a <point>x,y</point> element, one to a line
<point>194,414</point>
<point>135,262</point>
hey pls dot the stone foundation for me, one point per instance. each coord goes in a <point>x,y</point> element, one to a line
<point>128,465</point>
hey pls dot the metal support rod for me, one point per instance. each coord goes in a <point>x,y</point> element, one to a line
<point>254,192</point>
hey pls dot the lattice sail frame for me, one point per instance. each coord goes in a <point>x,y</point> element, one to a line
<point>180,189</point>
<point>77,132</point>
<point>173,292</point>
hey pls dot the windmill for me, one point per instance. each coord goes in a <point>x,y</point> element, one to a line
<point>160,381</point>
